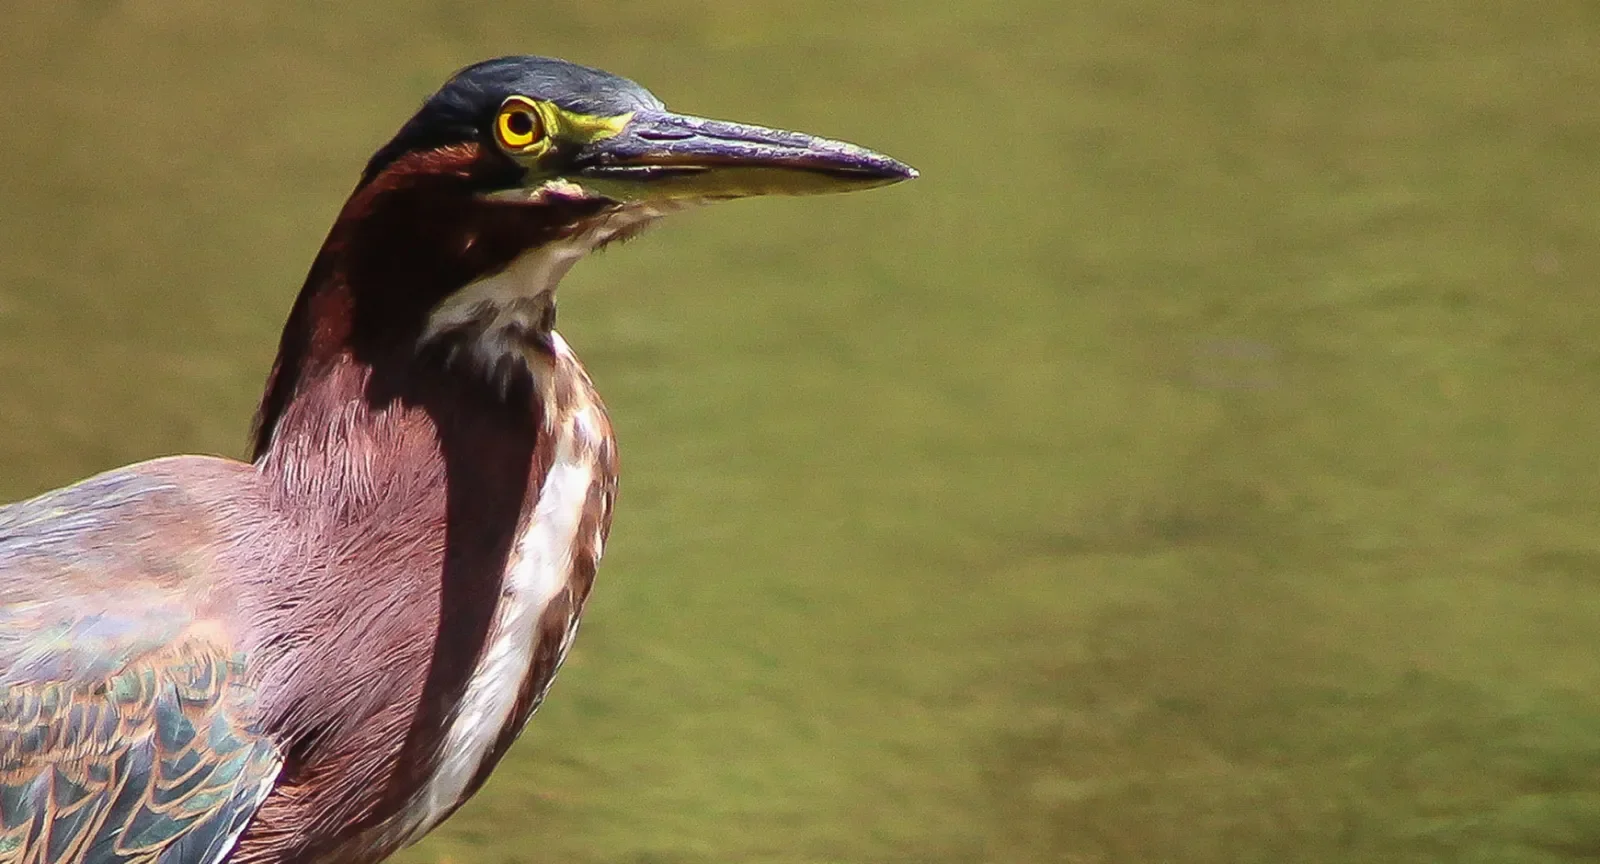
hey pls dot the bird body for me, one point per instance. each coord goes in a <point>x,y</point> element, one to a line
<point>322,584</point>
<point>317,655</point>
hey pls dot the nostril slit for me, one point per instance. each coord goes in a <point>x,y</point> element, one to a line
<point>664,134</point>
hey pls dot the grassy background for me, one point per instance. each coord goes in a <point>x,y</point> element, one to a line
<point>1198,464</point>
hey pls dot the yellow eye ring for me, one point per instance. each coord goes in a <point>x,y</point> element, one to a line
<point>519,125</point>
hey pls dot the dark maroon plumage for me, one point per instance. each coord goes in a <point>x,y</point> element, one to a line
<point>427,482</point>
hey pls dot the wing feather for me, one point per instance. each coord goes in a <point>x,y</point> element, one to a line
<point>128,723</point>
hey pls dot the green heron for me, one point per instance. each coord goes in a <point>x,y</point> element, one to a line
<point>318,655</point>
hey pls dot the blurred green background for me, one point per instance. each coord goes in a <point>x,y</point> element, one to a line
<point>1197,464</point>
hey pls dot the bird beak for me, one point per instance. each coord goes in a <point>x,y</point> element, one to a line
<point>658,157</point>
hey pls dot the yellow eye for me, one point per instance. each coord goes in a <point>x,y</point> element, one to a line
<point>519,126</point>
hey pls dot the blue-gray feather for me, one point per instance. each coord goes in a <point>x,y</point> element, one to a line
<point>461,109</point>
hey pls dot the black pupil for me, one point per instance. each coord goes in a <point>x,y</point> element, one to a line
<point>520,123</point>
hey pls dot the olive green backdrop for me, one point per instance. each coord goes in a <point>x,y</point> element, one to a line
<point>1197,464</point>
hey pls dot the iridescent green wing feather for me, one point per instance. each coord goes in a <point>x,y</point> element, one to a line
<point>127,726</point>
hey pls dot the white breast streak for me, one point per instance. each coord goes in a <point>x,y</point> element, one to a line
<point>537,572</point>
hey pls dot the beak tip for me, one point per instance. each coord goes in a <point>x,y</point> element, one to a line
<point>894,171</point>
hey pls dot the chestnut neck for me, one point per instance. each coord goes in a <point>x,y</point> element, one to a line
<point>405,240</point>
<point>411,474</point>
